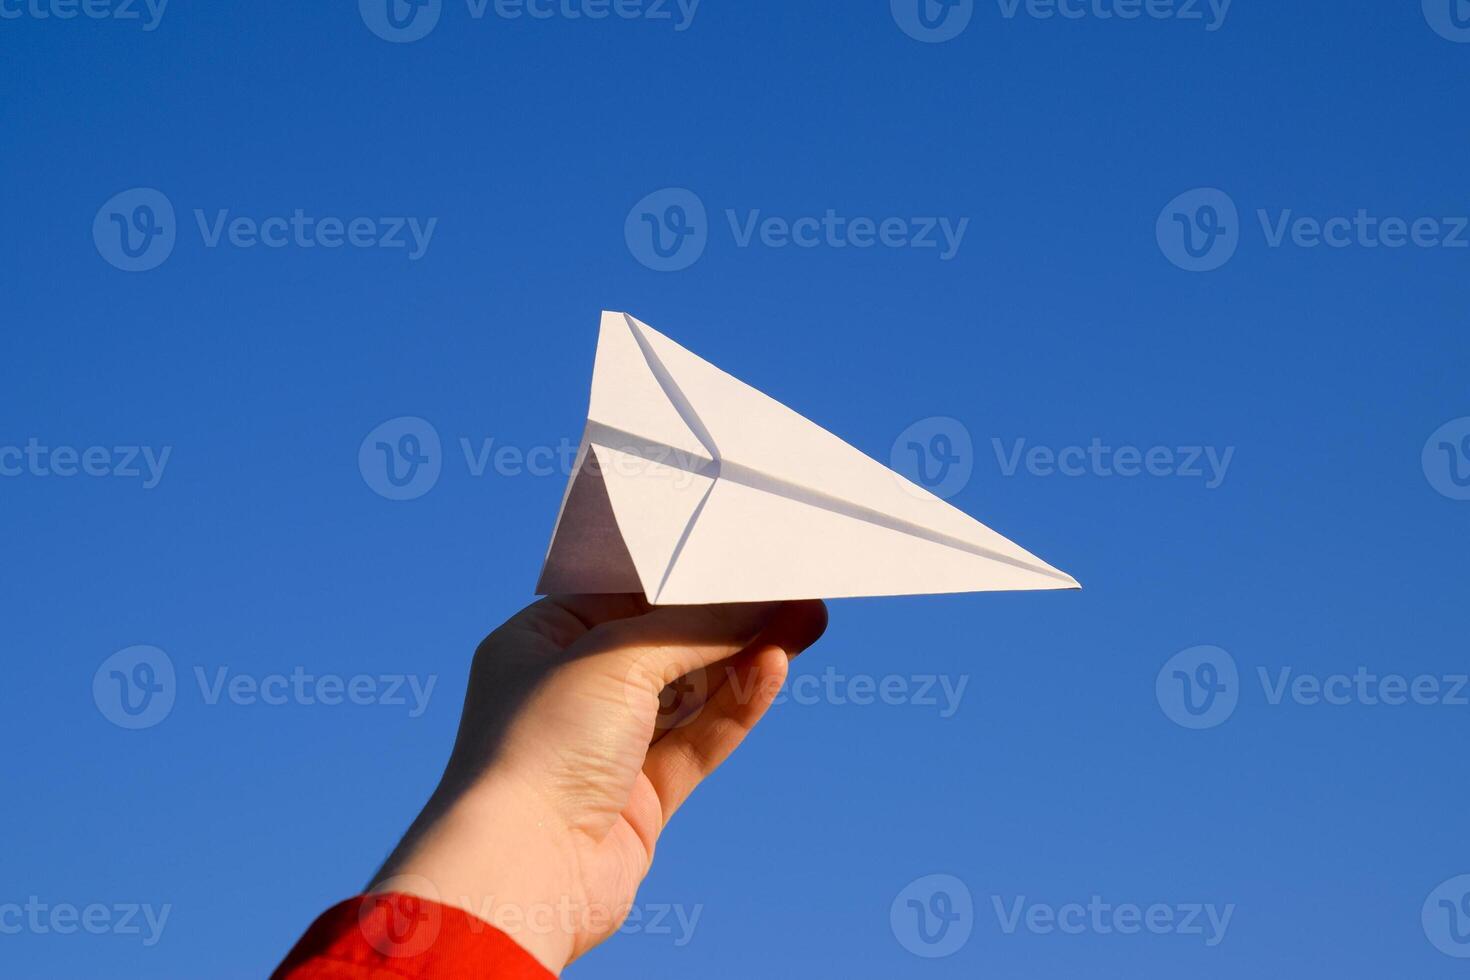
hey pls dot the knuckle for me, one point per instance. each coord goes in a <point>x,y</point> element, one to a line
<point>607,636</point>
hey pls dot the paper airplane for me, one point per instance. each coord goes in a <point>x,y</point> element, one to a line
<point>692,487</point>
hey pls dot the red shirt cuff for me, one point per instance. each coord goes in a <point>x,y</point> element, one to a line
<point>391,936</point>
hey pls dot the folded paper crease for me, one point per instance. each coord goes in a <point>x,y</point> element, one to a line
<point>691,487</point>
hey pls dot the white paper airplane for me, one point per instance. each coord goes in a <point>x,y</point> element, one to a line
<point>692,487</point>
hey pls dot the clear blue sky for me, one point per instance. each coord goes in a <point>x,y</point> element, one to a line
<point>1333,539</point>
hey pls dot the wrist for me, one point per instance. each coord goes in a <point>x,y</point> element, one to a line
<point>493,851</point>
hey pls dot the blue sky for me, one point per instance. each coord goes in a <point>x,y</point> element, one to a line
<point>1196,335</point>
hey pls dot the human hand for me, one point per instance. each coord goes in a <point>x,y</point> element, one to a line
<point>588,721</point>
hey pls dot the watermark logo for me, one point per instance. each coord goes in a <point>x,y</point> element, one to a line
<point>667,230</point>
<point>401,459</point>
<point>397,920</point>
<point>936,453</point>
<point>681,701</point>
<point>933,916</point>
<point>1446,917</point>
<point>933,21</point>
<point>135,230</point>
<point>1199,687</point>
<point>1449,18</point>
<point>400,21</point>
<point>1199,230</point>
<point>1446,459</point>
<point>135,688</point>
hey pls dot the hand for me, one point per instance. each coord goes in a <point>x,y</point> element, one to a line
<point>579,741</point>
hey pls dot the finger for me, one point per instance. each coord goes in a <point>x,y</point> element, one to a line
<point>564,619</point>
<point>594,610</point>
<point>681,760</point>
<point>653,650</point>
<point>798,626</point>
<point>794,628</point>
<point>684,697</point>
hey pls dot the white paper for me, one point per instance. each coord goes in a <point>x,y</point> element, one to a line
<point>692,487</point>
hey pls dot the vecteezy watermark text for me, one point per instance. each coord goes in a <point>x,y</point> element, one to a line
<point>137,688</point>
<point>1207,463</point>
<point>405,915</point>
<point>939,691</point>
<point>137,230</point>
<point>1100,918</point>
<point>675,920</point>
<point>41,918</point>
<point>669,230</point>
<point>1363,686</point>
<point>938,454</point>
<point>936,21</point>
<point>403,458</point>
<point>403,21</point>
<point>683,700</point>
<point>934,916</point>
<point>303,688</point>
<point>1200,230</point>
<point>1201,687</point>
<point>148,13</point>
<point>305,231</point>
<point>36,459</point>
<point>833,230</point>
<point>1210,13</point>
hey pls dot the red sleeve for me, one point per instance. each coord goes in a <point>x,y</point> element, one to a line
<point>393,936</point>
